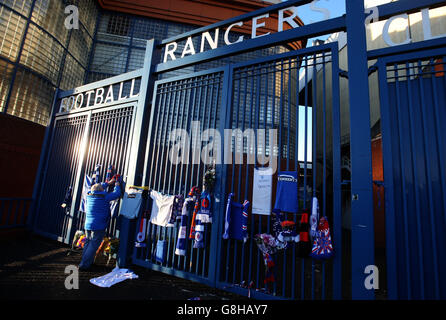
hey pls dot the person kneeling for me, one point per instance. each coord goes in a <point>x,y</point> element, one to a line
<point>96,220</point>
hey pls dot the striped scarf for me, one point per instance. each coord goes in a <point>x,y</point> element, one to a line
<point>182,238</point>
<point>195,192</point>
<point>201,218</point>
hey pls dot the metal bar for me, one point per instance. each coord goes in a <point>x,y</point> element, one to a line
<point>429,185</point>
<point>324,170</point>
<point>440,141</point>
<point>190,156</point>
<point>215,102</point>
<point>394,8</point>
<point>392,280</point>
<point>174,191</point>
<point>254,89</point>
<point>302,266</point>
<point>312,30</point>
<point>415,177</point>
<point>195,177</point>
<point>409,48</point>
<point>205,99</point>
<point>221,176</point>
<point>403,185</point>
<point>337,203</point>
<point>273,125</point>
<point>77,189</point>
<point>314,150</point>
<point>360,150</point>
<point>296,166</point>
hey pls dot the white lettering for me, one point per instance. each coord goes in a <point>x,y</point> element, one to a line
<point>89,93</point>
<point>169,51</point>
<point>109,96</point>
<point>213,43</point>
<point>289,20</point>
<point>256,25</point>
<point>325,11</point>
<point>427,26</point>
<point>121,87</point>
<point>63,105</point>
<point>240,39</point>
<point>99,94</point>
<point>77,103</point>
<point>188,48</point>
<point>386,35</point>
<point>132,90</point>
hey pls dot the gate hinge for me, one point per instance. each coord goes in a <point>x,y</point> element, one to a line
<point>373,69</point>
<point>343,74</point>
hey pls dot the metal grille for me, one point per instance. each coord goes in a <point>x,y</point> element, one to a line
<point>61,173</point>
<point>416,112</point>
<point>109,143</point>
<point>180,102</point>
<point>268,95</point>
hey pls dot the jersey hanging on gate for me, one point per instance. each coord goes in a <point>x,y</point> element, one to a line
<point>236,221</point>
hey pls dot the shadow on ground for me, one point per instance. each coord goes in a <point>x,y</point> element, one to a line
<point>33,268</point>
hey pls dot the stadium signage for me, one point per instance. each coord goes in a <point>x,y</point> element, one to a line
<point>97,97</point>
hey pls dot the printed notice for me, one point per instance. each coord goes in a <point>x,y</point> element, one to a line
<point>262,191</point>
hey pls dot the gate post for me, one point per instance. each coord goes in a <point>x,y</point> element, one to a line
<point>362,240</point>
<point>79,181</point>
<point>136,159</point>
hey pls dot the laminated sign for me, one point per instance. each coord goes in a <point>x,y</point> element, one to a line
<point>262,191</point>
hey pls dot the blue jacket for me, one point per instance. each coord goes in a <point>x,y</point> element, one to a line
<point>97,214</point>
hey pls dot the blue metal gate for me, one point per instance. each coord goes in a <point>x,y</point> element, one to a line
<point>63,161</point>
<point>297,95</point>
<point>191,103</point>
<point>413,111</point>
<point>267,95</point>
<point>259,95</point>
<point>79,140</point>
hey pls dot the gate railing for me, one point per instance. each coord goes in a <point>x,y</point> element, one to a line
<point>361,191</point>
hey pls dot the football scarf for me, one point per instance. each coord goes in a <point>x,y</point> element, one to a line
<point>304,244</point>
<point>182,232</point>
<point>322,246</point>
<point>196,193</point>
<point>201,218</point>
<point>314,218</point>
<point>142,231</point>
<point>177,208</point>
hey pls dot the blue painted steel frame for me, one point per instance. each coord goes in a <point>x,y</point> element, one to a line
<point>226,123</point>
<point>352,22</point>
<point>362,223</point>
<point>219,192</point>
<point>430,49</point>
